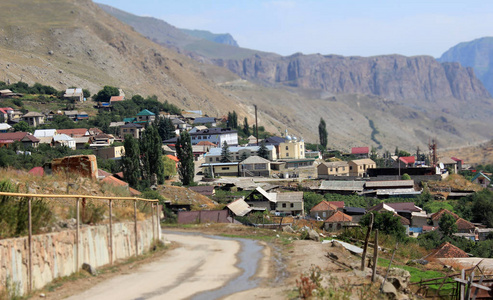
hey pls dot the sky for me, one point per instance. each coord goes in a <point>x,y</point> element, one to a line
<point>344,27</point>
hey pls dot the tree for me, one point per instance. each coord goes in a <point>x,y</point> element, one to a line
<point>482,209</point>
<point>105,94</point>
<point>246,128</point>
<point>186,167</point>
<point>225,153</point>
<point>405,176</point>
<point>22,126</point>
<point>151,153</point>
<point>169,167</point>
<point>447,225</point>
<point>86,93</point>
<point>386,222</point>
<point>131,161</point>
<point>322,134</point>
<point>263,151</point>
<point>243,156</point>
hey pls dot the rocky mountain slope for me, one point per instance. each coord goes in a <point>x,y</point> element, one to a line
<point>477,54</point>
<point>221,38</point>
<point>381,101</point>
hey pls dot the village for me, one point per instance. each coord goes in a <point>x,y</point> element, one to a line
<point>272,181</point>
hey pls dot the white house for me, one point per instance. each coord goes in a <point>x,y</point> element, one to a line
<point>237,152</point>
<point>64,140</point>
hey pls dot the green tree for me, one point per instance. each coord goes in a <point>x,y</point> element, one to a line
<point>186,167</point>
<point>151,155</point>
<point>166,129</point>
<point>105,94</point>
<point>447,225</point>
<point>225,153</point>
<point>131,161</point>
<point>388,223</point>
<point>23,127</point>
<point>243,156</point>
<point>263,151</point>
<point>322,134</point>
<point>169,167</point>
<point>405,176</point>
<point>246,128</point>
<point>482,209</point>
<point>86,93</point>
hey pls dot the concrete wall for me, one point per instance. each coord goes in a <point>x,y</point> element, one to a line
<point>54,254</point>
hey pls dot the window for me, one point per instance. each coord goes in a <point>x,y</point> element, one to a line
<point>287,154</point>
<point>292,205</point>
<point>217,158</point>
<point>350,167</point>
<point>331,169</point>
<point>324,214</point>
<point>287,147</point>
<point>224,168</point>
<point>284,205</point>
<point>260,166</point>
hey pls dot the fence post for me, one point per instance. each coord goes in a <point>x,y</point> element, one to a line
<point>158,221</point>
<point>77,229</point>
<point>30,267</point>
<point>111,230</point>
<point>152,217</point>
<point>367,238</point>
<point>135,227</point>
<point>375,257</point>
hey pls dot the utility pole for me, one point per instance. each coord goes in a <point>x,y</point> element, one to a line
<point>256,123</point>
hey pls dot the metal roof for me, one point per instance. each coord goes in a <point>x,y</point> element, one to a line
<point>239,207</point>
<point>389,183</point>
<point>254,159</point>
<point>340,185</point>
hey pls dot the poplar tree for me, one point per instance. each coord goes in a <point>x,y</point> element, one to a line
<point>263,151</point>
<point>246,128</point>
<point>186,167</point>
<point>131,161</point>
<point>225,153</point>
<point>151,149</point>
<point>322,134</point>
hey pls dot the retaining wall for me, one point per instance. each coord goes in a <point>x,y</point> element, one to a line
<point>54,254</point>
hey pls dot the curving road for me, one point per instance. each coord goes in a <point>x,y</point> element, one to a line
<point>200,264</point>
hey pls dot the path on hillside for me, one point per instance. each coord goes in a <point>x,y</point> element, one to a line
<point>201,263</point>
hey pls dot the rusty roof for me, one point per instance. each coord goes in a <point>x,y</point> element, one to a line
<point>464,224</point>
<point>447,250</point>
<point>323,206</point>
<point>436,216</point>
<point>339,216</point>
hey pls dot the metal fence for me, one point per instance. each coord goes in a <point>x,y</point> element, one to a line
<point>81,199</point>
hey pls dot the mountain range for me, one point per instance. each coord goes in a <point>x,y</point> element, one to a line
<point>382,101</point>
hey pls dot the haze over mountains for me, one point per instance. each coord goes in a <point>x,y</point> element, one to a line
<point>384,101</point>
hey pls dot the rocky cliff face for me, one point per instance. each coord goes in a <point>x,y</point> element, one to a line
<point>393,76</point>
<point>477,54</point>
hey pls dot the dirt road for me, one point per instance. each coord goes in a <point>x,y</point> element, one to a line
<point>200,264</point>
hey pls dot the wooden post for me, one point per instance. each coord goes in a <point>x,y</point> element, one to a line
<point>462,284</point>
<point>30,225</point>
<point>77,229</point>
<point>152,217</point>
<point>367,238</point>
<point>135,227</point>
<point>111,231</point>
<point>375,256</point>
<point>390,264</point>
<point>158,221</point>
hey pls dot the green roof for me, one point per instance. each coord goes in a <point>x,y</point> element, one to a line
<point>128,120</point>
<point>146,112</point>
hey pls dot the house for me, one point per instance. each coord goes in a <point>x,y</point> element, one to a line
<point>337,221</point>
<point>74,93</point>
<point>210,121</point>
<point>111,180</point>
<point>238,153</point>
<point>446,250</point>
<point>323,210</point>
<point>214,135</point>
<point>463,226</point>
<point>449,164</point>
<point>181,125</point>
<point>459,162</point>
<point>71,114</point>
<point>239,208</point>
<point>75,132</point>
<point>197,128</point>
<point>391,188</point>
<point>358,167</point>
<point>355,212</point>
<point>103,139</point>
<point>33,119</point>
<point>64,140</point>
<point>133,129</point>
<point>81,142</point>
<point>145,116</point>
<point>6,114</point>
<point>4,127</point>
<point>82,115</point>
<point>110,152</point>
<point>45,132</point>
<point>405,162</point>
<point>360,152</point>
<point>94,131</point>
<point>481,179</point>
<point>341,186</point>
<point>335,168</point>
<point>116,125</point>
<point>255,166</point>
<point>27,140</point>
<point>222,169</point>
<point>290,203</point>
<point>287,148</point>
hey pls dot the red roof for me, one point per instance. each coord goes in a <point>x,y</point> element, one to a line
<point>37,171</point>
<point>103,173</point>
<point>116,98</point>
<point>447,250</point>
<point>408,159</point>
<point>15,136</point>
<point>464,225</point>
<point>172,157</point>
<point>457,159</point>
<point>339,216</point>
<point>323,206</point>
<point>338,204</point>
<point>360,150</point>
<point>438,215</point>
<point>206,143</point>
<point>76,132</point>
<point>114,181</point>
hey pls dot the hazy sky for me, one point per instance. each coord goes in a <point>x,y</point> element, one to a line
<point>345,27</point>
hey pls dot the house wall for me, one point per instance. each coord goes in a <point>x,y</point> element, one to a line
<point>218,139</point>
<point>359,169</point>
<point>291,150</point>
<point>54,254</point>
<point>135,132</point>
<point>226,170</point>
<point>109,153</point>
<point>291,207</point>
<point>324,171</point>
<point>324,214</point>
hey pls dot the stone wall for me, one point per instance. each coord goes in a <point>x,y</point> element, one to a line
<point>54,254</point>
